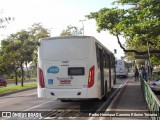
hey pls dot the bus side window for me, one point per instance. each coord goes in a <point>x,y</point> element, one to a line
<point>113,62</point>
<point>97,54</point>
<point>106,61</point>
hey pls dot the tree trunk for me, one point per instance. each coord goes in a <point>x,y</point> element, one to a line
<point>16,78</point>
<point>22,74</point>
<point>28,75</point>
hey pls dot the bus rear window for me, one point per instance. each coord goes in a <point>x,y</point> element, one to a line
<point>76,71</point>
<point>65,49</point>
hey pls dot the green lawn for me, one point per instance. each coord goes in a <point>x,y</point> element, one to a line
<point>19,79</point>
<point>7,89</point>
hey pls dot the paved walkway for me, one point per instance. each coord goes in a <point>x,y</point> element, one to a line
<point>131,102</point>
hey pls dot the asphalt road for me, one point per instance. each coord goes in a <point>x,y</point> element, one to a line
<point>27,101</point>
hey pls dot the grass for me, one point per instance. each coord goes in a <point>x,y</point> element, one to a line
<point>8,89</point>
<point>19,79</point>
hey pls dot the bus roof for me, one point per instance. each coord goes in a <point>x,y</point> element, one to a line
<point>75,37</point>
<point>65,37</point>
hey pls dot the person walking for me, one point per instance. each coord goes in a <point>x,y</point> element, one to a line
<point>143,72</point>
<point>136,73</point>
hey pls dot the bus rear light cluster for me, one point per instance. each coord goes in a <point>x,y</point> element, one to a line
<point>41,78</point>
<point>91,77</point>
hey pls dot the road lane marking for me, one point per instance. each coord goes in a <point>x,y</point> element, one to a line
<point>113,101</point>
<point>39,105</point>
<point>122,85</point>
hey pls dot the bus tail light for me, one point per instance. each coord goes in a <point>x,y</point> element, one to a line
<point>41,78</point>
<point>91,77</point>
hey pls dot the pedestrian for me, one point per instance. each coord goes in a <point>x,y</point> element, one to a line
<point>143,72</point>
<point>136,73</point>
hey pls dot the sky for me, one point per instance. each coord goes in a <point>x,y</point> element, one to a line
<point>56,15</point>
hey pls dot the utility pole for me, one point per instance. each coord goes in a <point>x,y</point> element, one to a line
<point>149,64</point>
<point>82,25</point>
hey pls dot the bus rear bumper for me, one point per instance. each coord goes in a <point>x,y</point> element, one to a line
<point>67,93</point>
<point>83,93</point>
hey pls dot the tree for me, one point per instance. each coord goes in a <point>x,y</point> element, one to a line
<point>3,64</point>
<point>37,31</point>
<point>19,49</point>
<point>70,30</point>
<point>138,24</point>
<point>24,51</point>
<point>10,56</point>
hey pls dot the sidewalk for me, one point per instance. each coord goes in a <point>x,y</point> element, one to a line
<point>131,101</point>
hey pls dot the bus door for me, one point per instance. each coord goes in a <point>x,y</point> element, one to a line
<point>110,79</point>
<point>101,70</point>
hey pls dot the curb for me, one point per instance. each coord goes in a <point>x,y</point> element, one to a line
<point>16,91</point>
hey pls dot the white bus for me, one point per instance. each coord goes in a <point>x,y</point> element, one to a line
<point>121,68</point>
<point>74,68</point>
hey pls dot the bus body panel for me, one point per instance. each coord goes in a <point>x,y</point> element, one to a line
<point>61,79</point>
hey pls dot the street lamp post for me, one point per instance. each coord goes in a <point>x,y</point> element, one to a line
<point>82,25</point>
